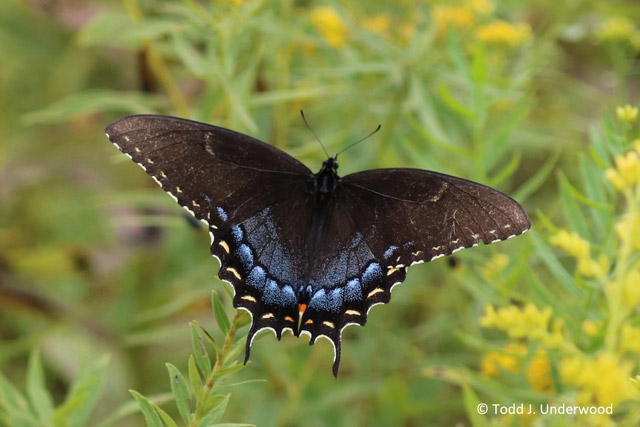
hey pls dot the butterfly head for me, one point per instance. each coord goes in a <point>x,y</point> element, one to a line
<point>331,164</point>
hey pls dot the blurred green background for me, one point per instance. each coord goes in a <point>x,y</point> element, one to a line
<point>101,273</point>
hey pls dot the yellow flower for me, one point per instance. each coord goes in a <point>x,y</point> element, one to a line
<point>629,228</point>
<point>603,379</point>
<point>631,289</point>
<point>446,17</point>
<point>619,30</point>
<point>591,327</point>
<point>539,372</point>
<point>378,24</point>
<point>571,243</point>
<point>630,339</point>
<point>502,33</point>
<point>627,113</point>
<point>328,23</point>
<point>518,322</point>
<point>636,145</point>
<point>480,7</point>
<point>506,360</point>
<point>494,267</point>
<point>588,267</point>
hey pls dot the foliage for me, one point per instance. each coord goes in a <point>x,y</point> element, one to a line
<point>530,97</point>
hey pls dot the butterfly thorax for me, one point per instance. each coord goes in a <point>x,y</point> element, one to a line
<point>325,181</point>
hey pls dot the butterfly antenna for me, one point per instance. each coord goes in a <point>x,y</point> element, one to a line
<point>314,134</point>
<point>360,140</point>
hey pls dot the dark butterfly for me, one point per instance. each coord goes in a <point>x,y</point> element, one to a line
<point>311,253</point>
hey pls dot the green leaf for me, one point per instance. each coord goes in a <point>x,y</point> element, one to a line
<point>208,405</point>
<point>472,405</point>
<point>215,415</point>
<point>506,171</point>
<point>92,101</point>
<point>440,143</point>
<point>117,28</point>
<point>150,415</point>
<point>553,264</point>
<point>596,191</point>
<point>229,370</point>
<point>233,425</point>
<point>572,211</point>
<point>168,421</point>
<point>457,54</point>
<point>36,390</point>
<point>200,351</point>
<point>235,350</point>
<point>479,65</point>
<point>180,392</point>
<point>15,406</point>
<point>450,101</point>
<point>194,378</point>
<point>536,181</point>
<point>193,60</point>
<point>85,391</point>
<point>497,141</point>
<point>219,313</point>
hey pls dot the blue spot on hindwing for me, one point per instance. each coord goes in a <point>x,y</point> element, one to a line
<point>246,256</point>
<point>389,251</point>
<point>353,292</point>
<point>257,277</point>
<point>335,299</point>
<point>289,296</point>
<point>372,272</point>
<point>237,234</point>
<point>318,300</point>
<point>274,295</point>
<point>222,214</point>
<point>326,302</point>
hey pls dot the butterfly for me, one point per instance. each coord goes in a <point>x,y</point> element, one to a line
<point>310,252</point>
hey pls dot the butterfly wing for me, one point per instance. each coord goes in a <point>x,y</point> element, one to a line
<point>388,219</point>
<point>252,196</point>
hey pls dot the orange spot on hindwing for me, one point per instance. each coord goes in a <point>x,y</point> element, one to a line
<point>302,308</point>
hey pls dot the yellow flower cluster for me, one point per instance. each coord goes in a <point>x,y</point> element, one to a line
<point>591,327</point>
<point>629,226</point>
<point>538,371</point>
<point>630,339</point>
<point>502,33</point>
<point>494,267</point>
<point>446,17</point>
<point>631,286</point>
<point>619,30</point>
<point>579,248</point>
<point>602,380</point>
<point>627,113</point>
<point>523,322</point>
<point>481,7</point>
<point>378,24</point>
<point>507,360</point>
<point>626,172</point>
<point>328,23</point>
<point>572,244</point>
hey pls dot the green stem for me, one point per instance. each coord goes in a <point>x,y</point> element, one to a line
<point>617,310</point>
<point>220,358</point>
